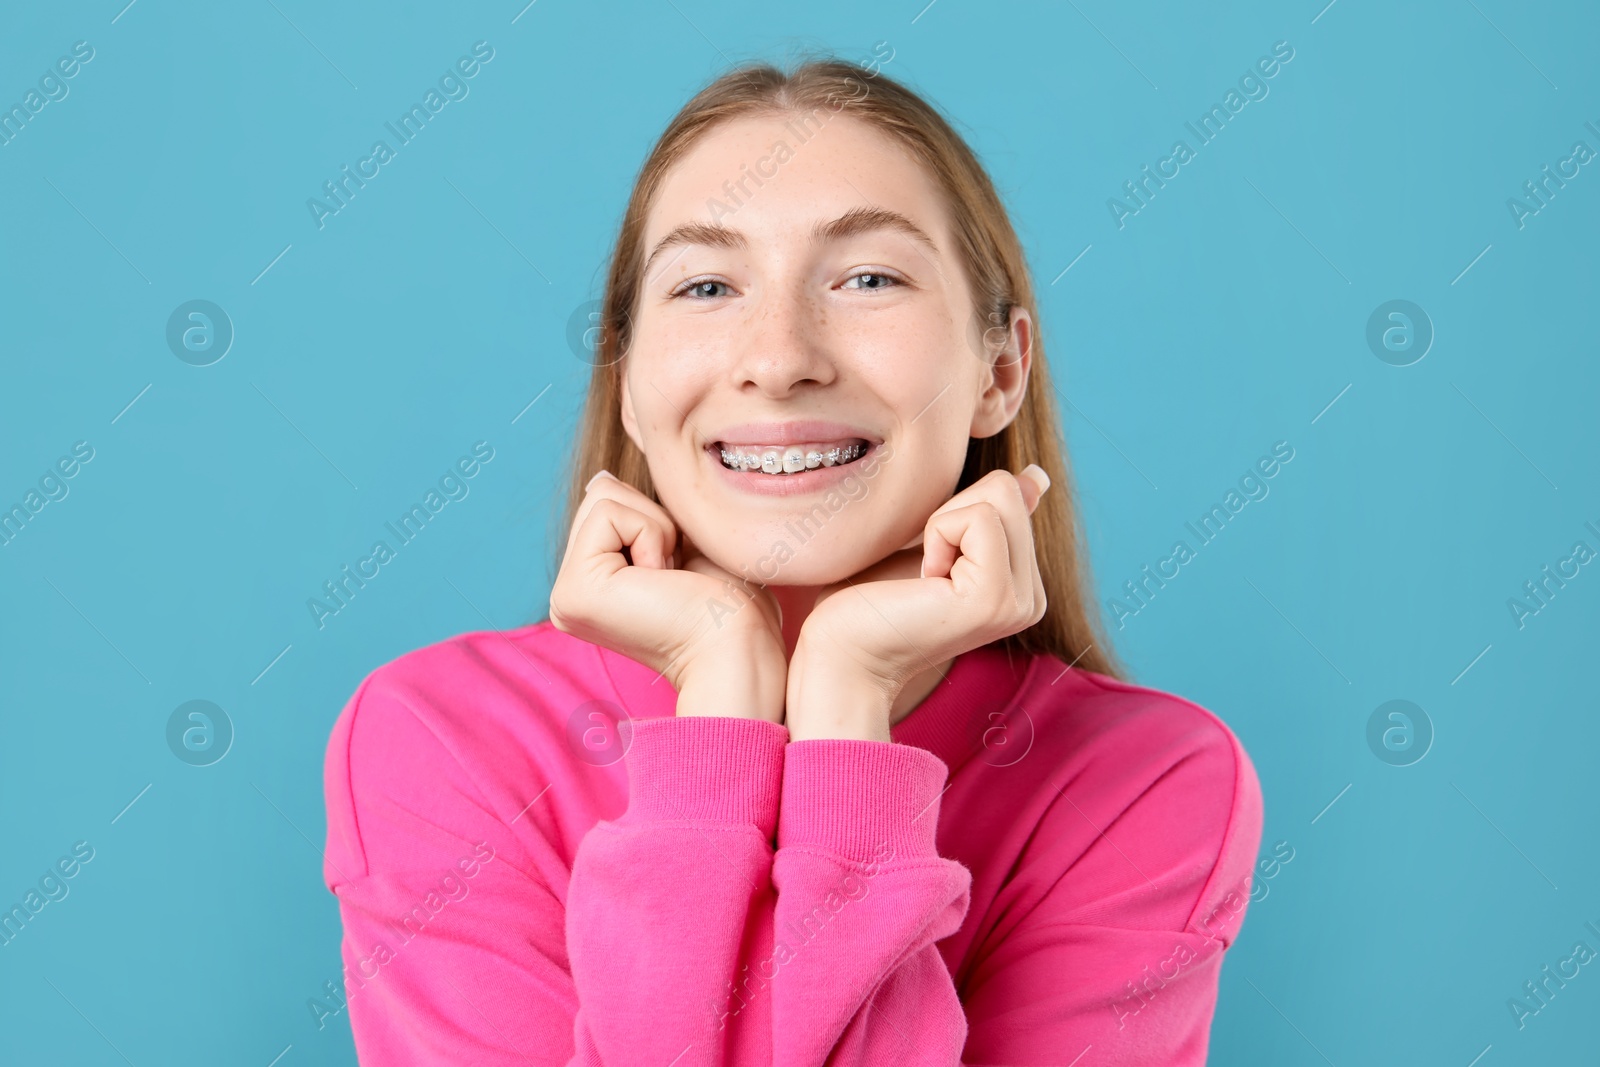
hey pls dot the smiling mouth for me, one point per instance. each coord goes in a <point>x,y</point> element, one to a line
<point>790,459</point>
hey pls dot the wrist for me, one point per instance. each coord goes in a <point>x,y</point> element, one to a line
<point>746,685</point>
<point>840,704</point>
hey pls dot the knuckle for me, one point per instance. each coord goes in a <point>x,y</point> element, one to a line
<point>1003,480</point>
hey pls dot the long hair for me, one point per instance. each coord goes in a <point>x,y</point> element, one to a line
<point>995,268</point>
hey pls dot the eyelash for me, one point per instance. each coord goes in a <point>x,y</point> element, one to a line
<point>695,283</point>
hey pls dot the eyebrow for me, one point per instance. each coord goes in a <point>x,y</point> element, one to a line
<point>855,221</point>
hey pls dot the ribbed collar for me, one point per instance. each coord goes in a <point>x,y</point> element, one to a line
<point>951,722</point>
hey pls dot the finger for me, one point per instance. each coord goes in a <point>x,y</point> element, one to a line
<point>967,546</point>
<point>1006,493</point>
<point>1034,482</point>
<point>1032,479</point>
<point>986,552</point>
<point>585,505</point>
<point>606,486</point>
<point>610,526</point>
<point>609,486</point>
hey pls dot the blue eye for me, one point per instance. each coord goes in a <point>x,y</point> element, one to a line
<point>888,281</point>
<point>695,287</point>
<point>696,290</point>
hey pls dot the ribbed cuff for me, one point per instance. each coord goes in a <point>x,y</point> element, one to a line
<point>713,768</point>
<point>865,800</point>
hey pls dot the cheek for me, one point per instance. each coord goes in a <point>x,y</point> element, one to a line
<point>662,394</point>
<point>906,356</point>
<point>926,468</point>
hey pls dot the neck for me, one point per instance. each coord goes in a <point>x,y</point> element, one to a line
<point>796,602</point>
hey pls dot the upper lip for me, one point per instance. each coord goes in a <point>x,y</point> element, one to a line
<point>798,432</point>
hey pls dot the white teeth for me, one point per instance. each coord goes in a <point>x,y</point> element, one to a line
<point>789,460</point>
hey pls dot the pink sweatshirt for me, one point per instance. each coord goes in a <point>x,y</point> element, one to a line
<point>1042,865</point>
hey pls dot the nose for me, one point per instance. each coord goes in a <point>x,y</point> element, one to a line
<point>783,344</point>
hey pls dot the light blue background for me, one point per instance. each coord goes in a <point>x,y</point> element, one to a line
<point>426,316</point>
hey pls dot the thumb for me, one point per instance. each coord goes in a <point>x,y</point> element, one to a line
<point>1033,481</point>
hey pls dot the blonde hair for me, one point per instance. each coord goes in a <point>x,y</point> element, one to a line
<point>995,267</point>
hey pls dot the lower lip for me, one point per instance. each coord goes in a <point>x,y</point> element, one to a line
<point>810,480</point>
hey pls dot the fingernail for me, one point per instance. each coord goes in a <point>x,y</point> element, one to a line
<point>598,474</point>
<point>1039,473</point>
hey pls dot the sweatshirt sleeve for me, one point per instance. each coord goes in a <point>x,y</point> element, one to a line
<point>1116,948</point>
<point>667,899</point>
<point>863,895</point>
<point>460,949</point>
<point>451,943</point>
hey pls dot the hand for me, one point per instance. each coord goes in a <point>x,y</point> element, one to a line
<point>626,583</point>
<point>866,637</point>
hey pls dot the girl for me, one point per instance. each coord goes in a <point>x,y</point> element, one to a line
<point>820,756</point>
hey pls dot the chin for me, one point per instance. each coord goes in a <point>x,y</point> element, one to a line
<point>783,558</point>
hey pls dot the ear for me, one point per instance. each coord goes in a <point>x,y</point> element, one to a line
<point>1006,377</point>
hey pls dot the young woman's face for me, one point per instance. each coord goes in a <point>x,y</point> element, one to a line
<point>795,317</point>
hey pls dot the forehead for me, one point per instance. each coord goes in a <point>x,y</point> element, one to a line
<point>775,176</point>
